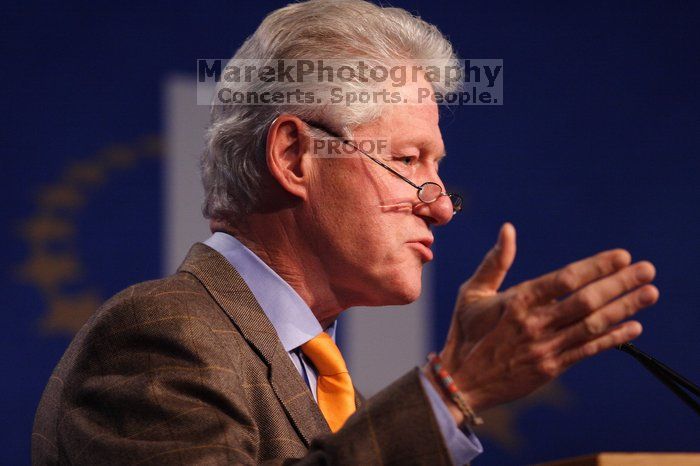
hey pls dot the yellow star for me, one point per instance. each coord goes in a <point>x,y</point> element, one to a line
<point>50,270</point>
<point>47,228</point>
<point>68,313</point>
<point>61,196</point>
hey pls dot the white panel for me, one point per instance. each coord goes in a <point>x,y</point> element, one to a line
<point>379,344</point>
<point>185,123</point>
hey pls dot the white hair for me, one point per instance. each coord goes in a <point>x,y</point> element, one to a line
<point>234,162</point>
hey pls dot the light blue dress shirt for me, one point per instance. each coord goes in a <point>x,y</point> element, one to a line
<point>296,324</point>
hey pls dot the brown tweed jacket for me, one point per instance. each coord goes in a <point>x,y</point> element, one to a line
<point>189,370</point>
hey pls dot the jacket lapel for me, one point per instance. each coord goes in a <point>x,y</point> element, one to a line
<point>235,298</point>
<point>359,399</point>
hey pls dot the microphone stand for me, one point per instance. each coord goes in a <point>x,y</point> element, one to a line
<point>674,381</point>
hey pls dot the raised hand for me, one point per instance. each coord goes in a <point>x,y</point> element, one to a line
<point>503,345</point>
<point>477,309</point>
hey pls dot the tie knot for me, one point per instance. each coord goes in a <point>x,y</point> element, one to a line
<point>325,355</point>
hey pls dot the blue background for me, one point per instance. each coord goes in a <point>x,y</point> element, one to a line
<point>596,147</point>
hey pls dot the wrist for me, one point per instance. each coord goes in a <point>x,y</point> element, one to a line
<point>444,379</point>
<point>449,403</point>
<point>466,382</point>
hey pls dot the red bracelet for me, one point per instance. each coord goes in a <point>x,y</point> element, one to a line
<point>448,384</point>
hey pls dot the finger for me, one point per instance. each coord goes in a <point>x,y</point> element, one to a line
<point>568,279</point>
<point>596,294</point>
<point>605,318</point>
<point>617,336</point>
<point>493,269</point>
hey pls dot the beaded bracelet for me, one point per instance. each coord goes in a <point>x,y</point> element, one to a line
<point>448,384</point>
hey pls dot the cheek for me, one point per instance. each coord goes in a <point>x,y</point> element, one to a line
<point>366,259</point>
<point>355,227</point>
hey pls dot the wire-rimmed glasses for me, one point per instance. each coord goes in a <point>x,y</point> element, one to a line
<point>428,192</point>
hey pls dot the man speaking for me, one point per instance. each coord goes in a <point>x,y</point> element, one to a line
<point>233,359</point>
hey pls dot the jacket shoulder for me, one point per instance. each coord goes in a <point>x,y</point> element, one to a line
<point>177,296</point>
<point>174,313</point>
<point>139,344</point>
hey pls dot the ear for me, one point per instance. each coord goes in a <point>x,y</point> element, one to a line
<point>287,142</point>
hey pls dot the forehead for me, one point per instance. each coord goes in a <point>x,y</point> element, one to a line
<point>414,120</point>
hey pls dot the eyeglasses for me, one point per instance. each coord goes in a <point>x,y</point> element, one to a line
<point>428,192</point>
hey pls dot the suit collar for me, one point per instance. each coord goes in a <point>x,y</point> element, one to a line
<point>293,320</point>
<point>234,297</point>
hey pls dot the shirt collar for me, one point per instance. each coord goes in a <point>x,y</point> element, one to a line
<point>291,317</point>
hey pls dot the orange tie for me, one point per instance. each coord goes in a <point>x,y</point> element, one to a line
<point>334,390</point>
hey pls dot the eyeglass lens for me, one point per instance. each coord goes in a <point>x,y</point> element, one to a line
<point>431,192</point>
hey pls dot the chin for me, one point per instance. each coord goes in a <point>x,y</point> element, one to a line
<point>393,287</point>
<point>409,297</point>
<point>390,298</point>
<point>402,290</point>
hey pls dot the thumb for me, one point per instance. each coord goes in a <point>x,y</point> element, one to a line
<point>493,269</point>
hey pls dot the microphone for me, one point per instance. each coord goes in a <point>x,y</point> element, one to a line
<point>673,380</point>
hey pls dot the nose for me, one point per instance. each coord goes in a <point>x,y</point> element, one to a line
<point>436,213</point>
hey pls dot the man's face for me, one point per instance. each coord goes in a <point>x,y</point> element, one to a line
<point>368,227</point>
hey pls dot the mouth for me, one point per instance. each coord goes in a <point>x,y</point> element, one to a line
<point>422,246</point>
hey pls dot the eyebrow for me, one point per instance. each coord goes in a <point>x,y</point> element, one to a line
<point>421,145</point>
<point>410,141</point>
